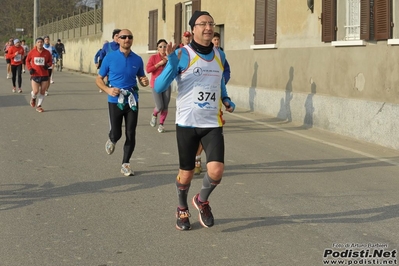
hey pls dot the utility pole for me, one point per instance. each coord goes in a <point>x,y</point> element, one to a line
<point>35,18</point>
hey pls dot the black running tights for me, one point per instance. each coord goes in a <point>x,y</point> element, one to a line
<point>16,70</point>
<point>116,117</point>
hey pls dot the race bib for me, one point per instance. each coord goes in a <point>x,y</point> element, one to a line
<point>39,61</point>
<point>206,96</point>
<point>17,58</point>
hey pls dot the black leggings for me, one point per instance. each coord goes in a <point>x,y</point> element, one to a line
<point>116,116</point>
<point>16,70</point>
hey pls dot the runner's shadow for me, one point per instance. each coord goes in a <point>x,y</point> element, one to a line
<point>307,166</point>
<point>13,100</point>
<point>349,217</point>
<point>14,196</point>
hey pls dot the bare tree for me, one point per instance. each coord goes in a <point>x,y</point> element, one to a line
<point>90,3</point>
<point>13,16</point>
<point>19,14</point>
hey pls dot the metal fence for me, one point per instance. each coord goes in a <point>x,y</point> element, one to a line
<point>85,23</point>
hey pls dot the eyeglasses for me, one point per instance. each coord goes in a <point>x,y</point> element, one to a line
<point>123,37</point>
<point>203,24</point>
<point>162,46</point>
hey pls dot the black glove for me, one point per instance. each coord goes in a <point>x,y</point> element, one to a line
<point>32,71</point>
<point>46,67</point>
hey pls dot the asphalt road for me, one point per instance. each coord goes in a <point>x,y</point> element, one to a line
<point>289,196</point>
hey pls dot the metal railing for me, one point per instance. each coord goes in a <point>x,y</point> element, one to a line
<point>84,23</point>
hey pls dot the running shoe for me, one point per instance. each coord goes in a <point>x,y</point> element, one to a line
<point>198,167</point>
<point>52,81</point>
<point>39,109</point>
<point>46,93</point>
<point>19,90</point>
<point>100,91</point>
<point>183,221</point>
<point>161,129</point>
<point>109,147</point>
<point>153,121</point>
<point>23,71</point>
<point>126,170</point>
<point>33,102</point>
<point>14,90</point>
<point>8,76</point>
<point>205,214</point>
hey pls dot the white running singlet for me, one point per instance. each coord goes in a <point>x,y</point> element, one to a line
<point>198,100</point>
<point>50,49</point>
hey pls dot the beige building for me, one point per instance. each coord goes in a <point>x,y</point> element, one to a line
<point>330,64</point>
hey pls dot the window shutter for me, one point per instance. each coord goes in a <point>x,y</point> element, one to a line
<point>328,20</point>
<point>153,30</point>
<point>260,21</point>
<point>382,19</point>
<point>178,22</point>
<point>365,20</point>
<point>271,21</point>
<point>196,5</point>
<point>163,10</point>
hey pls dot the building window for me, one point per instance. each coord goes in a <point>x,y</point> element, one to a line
<point>188,12</point>
<point>383,20</point>
<point>265,22</point>
<point>183,15</point>
<point>352,26</point>
<point>365,20</point>
<point>152,29</point>
<point>329,20</point>
<point>376,19</point>
<point>178,23</point>
<point>190,8</point>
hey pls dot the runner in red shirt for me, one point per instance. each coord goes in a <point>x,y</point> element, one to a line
<point>38,62</point>
<point>185,39</point>
<point>8,45</point>
<point>16,54</point>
